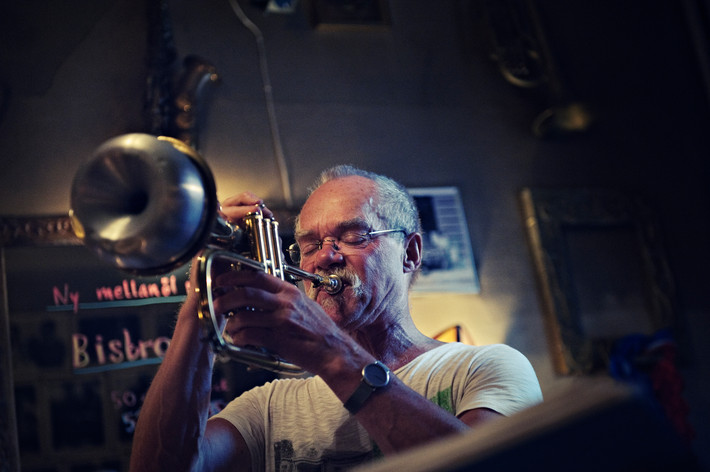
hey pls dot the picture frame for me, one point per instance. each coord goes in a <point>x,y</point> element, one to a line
<point>448,263</point>
<point>18,232</point>
<point>327,15</point>
<point>602,272</point>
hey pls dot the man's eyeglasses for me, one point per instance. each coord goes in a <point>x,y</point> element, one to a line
<point>347,240</point>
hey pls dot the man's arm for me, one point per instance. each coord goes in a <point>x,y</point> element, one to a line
<point>171,429</point>
<point>478,416</point>
<point>500,382</point>
<point>172,432</point>
<point>398,418</point>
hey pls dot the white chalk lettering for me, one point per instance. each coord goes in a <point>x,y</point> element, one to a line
<point>115,351</point>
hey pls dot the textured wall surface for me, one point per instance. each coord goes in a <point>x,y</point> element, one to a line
<point>422,100</point>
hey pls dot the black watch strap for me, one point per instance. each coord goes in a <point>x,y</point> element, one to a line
<point>375,376</point>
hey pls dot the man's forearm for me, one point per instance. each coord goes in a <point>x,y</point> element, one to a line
<point>172,419</point>
<point>396,417</point>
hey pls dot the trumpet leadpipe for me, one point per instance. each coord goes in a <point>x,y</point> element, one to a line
<point>331,284</point>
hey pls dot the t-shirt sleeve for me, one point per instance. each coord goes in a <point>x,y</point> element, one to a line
<point>246,414</point>
<point>501,379</point>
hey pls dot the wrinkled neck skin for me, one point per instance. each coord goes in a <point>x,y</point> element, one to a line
<point>395,342</point>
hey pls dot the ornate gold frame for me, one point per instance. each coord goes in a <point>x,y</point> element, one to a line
<point>548,214</point>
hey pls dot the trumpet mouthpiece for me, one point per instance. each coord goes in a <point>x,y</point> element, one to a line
<point>332,284</point>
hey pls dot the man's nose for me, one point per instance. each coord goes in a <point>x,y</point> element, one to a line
<point>330,242</point>
<point>329,254</point>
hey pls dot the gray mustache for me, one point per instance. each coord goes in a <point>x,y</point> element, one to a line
<point>348,277</point>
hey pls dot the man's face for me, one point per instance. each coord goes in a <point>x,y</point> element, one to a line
<point>373,276</point>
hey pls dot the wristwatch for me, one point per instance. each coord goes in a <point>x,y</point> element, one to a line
<point>375,376</point>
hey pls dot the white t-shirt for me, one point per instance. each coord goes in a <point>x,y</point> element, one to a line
<point>299,424</point>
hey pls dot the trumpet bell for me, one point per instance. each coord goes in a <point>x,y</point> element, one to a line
<point>144,204</point>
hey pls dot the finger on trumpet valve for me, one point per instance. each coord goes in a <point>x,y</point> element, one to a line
<point>249,309</point>
<point>219,291</point>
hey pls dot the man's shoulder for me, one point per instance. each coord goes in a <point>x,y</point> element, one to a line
<point>458,349</point>
<point>455,356</point>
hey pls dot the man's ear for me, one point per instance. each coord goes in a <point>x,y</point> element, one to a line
<point>412,252</point>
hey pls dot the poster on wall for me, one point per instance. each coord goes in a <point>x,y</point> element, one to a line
<point>448,263</point>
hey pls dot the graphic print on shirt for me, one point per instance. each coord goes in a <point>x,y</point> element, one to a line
<point>444,399</point>
<point>287,459</point>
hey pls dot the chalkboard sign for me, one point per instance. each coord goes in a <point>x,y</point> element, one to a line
<point>80,344</point>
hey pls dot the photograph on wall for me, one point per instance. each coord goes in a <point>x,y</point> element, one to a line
<point>448,263</point>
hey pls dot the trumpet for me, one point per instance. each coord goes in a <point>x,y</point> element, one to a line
<point>148,204</point>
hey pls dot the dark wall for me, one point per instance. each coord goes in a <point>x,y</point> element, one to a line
<point>423,100</point>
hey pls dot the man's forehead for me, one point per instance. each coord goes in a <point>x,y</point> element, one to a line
<point>353,193</point>
<point>335,227</point>
<point>347,202</point>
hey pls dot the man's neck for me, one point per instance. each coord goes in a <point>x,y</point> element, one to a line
<point>397,343</point>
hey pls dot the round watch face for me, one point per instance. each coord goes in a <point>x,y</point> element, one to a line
<point>377,375</point>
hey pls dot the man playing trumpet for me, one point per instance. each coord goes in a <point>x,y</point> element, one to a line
<point>379,385</point>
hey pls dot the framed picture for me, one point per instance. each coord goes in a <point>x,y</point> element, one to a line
<point>347,14</point>
<point>447,262</point>
<point>602,272</point>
